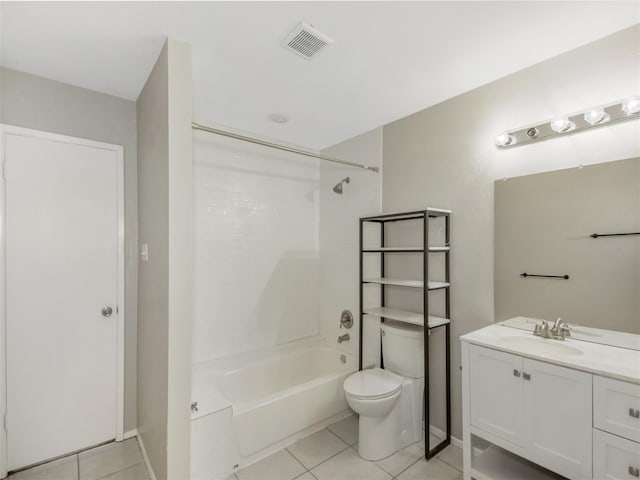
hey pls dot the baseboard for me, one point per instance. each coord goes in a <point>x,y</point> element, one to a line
<point>152,475</point>
<point>456,442</point>
<point>130,434</point>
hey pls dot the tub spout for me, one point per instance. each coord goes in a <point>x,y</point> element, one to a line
<point>343,338</point>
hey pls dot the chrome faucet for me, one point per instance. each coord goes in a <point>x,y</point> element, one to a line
<point>559,331</point>
<point>542,329</point>
<point>556,324</point>
<point>343,338</point>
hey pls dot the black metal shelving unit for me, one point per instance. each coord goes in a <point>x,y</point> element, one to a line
<point>428,322</point>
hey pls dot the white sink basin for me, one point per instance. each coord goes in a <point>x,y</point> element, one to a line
<point>540,345</point>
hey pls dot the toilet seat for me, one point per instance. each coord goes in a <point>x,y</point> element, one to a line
<point>372,384</point>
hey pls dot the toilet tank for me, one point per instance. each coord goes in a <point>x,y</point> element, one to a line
<point>403,348</point>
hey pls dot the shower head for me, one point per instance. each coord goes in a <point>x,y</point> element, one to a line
<point>338,187</point>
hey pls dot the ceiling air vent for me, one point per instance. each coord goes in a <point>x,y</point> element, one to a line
<point>306,41</point>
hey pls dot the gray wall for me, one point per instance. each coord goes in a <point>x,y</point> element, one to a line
<point>153,281</point>
<point>180,260</point>
<point>542,225</point>
<point>445,156</point>
<point>43,104</point>
<point>164,307</point>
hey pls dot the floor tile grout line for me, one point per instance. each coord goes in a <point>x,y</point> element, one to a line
<point>329,428</point>
<point>296,459</point>
<point>450,464</point>
<point>77,459</point>
<point>338,437</point>
<point>408,467</point>
<point>443,460</point>
<point>122,470</point>
<point>382,469</point>
<point>326,459</point>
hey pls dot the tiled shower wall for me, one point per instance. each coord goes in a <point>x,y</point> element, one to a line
<point>256,278</point>
<point>339,234</point>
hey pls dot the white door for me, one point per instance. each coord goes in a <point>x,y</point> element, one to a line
<point>558,416</point>
<point>62,262</point>
<point>496,391</point>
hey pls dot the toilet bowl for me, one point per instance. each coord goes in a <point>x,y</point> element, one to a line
<point>390,401</point>
<point>374,395</point>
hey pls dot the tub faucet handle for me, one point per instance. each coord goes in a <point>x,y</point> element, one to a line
<point>343,338</point>
<point>346,319</point>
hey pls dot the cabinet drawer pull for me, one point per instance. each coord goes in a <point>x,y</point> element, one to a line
<point>526,376</point>
<point>634,412</point>
<point>634,471</point>
<point>516,373</point>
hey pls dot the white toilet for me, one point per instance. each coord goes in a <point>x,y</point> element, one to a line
<point>390,401</point>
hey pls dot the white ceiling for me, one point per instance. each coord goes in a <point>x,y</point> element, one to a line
<point>389,59</point>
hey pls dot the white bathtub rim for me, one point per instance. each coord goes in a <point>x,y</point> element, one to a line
<point>221,402</point>
<point>240,406</point>
<point>211,400</point>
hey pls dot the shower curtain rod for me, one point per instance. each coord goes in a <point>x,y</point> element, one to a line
<point>204,128</point>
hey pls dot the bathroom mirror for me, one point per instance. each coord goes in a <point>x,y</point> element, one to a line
<point>563,230</point>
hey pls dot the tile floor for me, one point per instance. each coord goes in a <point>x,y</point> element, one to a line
<point>332,454</point>
<point>114,461</point>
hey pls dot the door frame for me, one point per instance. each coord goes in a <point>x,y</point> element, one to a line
<point>120,309</point>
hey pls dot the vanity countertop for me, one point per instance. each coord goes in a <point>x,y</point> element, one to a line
<point>608,361</point>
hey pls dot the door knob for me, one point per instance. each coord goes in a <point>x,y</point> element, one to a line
<point>107,311</point>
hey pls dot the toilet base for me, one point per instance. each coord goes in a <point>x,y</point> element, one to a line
<point>379,437</point>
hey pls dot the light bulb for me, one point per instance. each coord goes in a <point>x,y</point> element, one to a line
<point>631,105</point>
<point>562,125</point>
<point>596,116</point>
<point>504,139</point>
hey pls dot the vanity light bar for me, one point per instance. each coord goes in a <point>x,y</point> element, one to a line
<point>628,109</point>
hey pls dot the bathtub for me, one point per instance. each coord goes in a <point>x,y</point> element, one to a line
<point>265,400</point>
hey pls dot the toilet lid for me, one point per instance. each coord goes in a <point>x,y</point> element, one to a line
<point>372,383</point>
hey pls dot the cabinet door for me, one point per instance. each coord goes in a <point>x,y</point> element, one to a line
<point>496,389</point>
<point>558,413</point>
<point>615,458</point>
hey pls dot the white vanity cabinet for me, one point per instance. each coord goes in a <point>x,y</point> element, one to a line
<point>539,411</point>
<point>616,432</point>
<point>539,408</point>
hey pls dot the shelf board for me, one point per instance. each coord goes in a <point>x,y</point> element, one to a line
<point>497,464</point>
<point>405,316</point>
<point>394,217</point>
<point>406,283</point>
<point>396,282</point>
<point>405,249</point>
<point>438,211</point>
<point>437,285</point>
<point>393,249</point>
<point>437,321</point>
